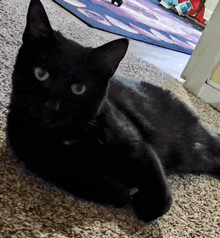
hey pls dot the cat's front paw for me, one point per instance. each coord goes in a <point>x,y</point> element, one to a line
<point>119,198</point>
<point>148,209</point>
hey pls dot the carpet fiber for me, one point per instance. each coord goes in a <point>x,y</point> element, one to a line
<point>143,20</point>
<point>30,209</point>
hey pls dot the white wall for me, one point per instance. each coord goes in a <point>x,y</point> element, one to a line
<point>211,4</point>
<point>209,8</point>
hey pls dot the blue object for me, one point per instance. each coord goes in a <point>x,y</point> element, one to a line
<point>169,4</point>
<point>184,8</point>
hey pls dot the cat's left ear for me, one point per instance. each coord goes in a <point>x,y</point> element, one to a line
<point>38,24</point>
<point>109,56</point>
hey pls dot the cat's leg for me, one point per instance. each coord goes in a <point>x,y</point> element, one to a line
<point>98,189</point>
<point>153,198</point>
<point>198,155</point>
<point>44,156</point>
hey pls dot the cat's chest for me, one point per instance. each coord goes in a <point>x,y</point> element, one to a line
<point>117,127</point>
<point>84,143</point>
<point>69,142</point>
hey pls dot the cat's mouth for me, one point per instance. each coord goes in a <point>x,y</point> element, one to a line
<point>51,123</point>
<point>50,120</point>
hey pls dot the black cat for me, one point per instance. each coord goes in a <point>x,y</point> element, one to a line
<point>76,126</point>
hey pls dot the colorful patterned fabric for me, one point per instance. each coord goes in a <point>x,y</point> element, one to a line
<point>143,20</point>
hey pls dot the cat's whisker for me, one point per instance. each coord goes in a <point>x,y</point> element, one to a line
<point>89,126</point>
<point>100,142</point>
<point>57,106</point>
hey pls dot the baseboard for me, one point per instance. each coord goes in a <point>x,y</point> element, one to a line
<point>207,14</point>
<point>210,95</point>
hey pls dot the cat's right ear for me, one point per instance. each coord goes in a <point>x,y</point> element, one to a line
<point>38,24</point>
<point>108,56</point>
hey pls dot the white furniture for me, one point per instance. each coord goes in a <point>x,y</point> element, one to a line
<point>204,62</point>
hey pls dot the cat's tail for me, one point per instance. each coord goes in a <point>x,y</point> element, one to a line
<point>216,156</point>
<point>203,157</point>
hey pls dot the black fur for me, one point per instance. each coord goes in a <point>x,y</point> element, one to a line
<point>100,144</point>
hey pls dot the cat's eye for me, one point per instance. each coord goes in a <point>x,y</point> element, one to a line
<point>78,89</point>
<point>41,74</point>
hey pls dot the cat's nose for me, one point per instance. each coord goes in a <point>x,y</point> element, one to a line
<point>53,104</point>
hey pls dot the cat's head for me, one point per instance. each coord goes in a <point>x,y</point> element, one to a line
<point>62,80</point>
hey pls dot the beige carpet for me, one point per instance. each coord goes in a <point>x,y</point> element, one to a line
<point>30,210</point>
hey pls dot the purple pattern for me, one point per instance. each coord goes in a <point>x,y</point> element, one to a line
<point>138,19</point>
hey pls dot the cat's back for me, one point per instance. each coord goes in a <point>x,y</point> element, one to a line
<point>146,97</point>
<point>154,108</point>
